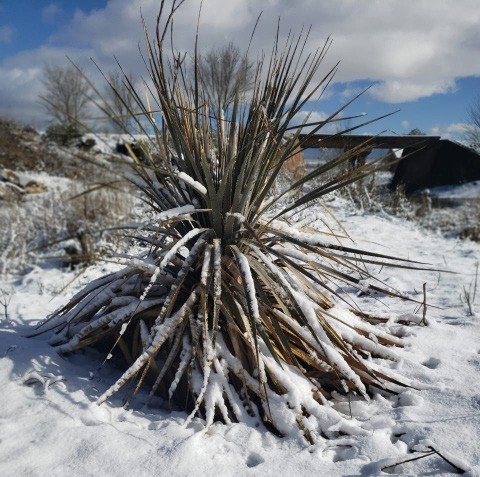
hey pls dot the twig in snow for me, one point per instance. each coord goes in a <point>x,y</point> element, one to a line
<point>428,454</point>
<point>475,284</point>
<point>5,301</point>
<point>424,304</point>
<point>448,461</point>
<point>469,295</point>
<point>432,451</point>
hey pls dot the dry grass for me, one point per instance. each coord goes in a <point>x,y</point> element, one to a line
<point>52,222</point>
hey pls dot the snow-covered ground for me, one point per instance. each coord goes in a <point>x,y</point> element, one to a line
<point>51,425</point>
<point>468,191</point>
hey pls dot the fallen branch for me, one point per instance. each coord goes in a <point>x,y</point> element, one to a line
<point>432,451</point>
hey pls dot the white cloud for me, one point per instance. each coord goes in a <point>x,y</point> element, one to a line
<point>51,13</point>
<point>400,91</point>
<point>405,124</point>
<point>6,33</point>
<point>451,131</point>
<point>306,117</point>
<point>21,81</point>
<point>409,50</point>
<point>457,128</point>
<point>17,94</point>
<point>350,92</point>
<point>391,42</point>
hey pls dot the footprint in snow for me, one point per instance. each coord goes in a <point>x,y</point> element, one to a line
<point>432,363</point>
<point>254,459</point>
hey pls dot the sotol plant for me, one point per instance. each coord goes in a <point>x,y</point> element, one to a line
<point>231,313</point>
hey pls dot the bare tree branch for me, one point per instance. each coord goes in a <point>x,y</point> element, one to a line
<point>473,133</point>
<point>223,73</point>
<point>119,100</point>
<point>66,97</point>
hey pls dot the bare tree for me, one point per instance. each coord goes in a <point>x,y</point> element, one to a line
<point>416,132</point>
<point>473,132</point>
<point>223,73</point>
<point>66,97</point>
<point>120,104</point>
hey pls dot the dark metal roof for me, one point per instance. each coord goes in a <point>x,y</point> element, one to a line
<point>375,142</point>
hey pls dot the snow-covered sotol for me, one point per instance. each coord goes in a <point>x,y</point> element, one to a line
<point>232,313</point>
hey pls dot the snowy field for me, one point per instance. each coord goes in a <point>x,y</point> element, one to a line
<point>50,424</point>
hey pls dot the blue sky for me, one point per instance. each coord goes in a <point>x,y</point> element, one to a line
<point>31,23</point>
<point>420,57</point>
<point>443,114</point>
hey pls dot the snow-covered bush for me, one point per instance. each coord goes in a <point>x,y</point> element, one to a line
<point>53,221</point>
<point>232,313</point>
<point>63,134</point>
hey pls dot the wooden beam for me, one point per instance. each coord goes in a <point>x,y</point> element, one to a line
<point>319,141</point>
